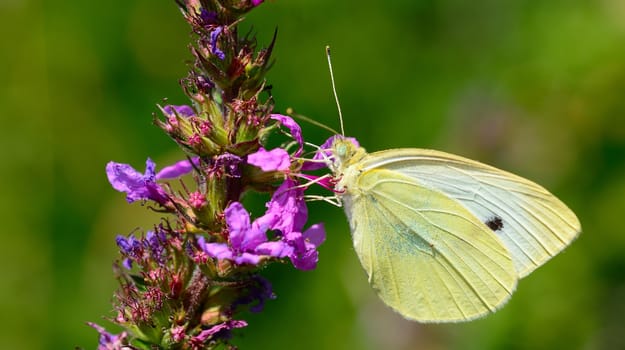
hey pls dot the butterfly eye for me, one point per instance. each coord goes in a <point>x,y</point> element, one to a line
<point>341,150</point>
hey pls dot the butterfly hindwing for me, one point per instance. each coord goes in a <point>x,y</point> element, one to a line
<point>426,255</point>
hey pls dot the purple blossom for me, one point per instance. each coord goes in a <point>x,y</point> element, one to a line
<point>325,154</point>
<point>208,17</point>
<point>131,248</point>
<point>178,169</point>
<point>257,2</point>
<point>214,36</point>
<point>109,341</point>
<point>294,128</point>
<point>155,241</point>
<point>305,255</point>
<point>247,243</point>
<point>152,246</point>
<point>230,163</point>
<point>182,110</point>
<point>287,213</point>
<point>204,84</point>
<point>225,326</point>
<point>263,292</point>
<point>137,186</point>
<point>257,293</point>
<point>275,160</point>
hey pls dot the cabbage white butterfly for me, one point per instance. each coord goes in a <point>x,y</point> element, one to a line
<point>444,238</point>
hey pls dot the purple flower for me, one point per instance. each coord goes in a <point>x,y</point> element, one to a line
<point>208,17</point>
<point>294,128</point>
<point>208,333</point>
<point>152,246</point>
<point>305,255</point>
<point>131,248</point>
<point>137,186</point>
<point>247,243</point>
<point>275,160</point>
<point>324,153</point>
<point>182,110</point>
<point>109,341</point>
<point>213,42</point>
<point>257,2</point>
<point>230,163</point>
<point>155,242</point>
<point>257,293</point>
<point>204,84</point>
<point>287,213</point>
<point>178,169</point>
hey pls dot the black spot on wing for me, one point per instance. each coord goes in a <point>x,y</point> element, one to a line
<point>495,223</point>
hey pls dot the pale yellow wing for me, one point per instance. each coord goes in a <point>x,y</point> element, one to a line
<point>532,223</point>
<point>426,255</point>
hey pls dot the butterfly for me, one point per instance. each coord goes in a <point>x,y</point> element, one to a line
<point>444,238</point>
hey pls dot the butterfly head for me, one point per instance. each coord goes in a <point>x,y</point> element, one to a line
<point>345,151</point>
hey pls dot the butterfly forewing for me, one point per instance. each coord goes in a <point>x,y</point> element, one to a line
<point>426,255</point>
<point>533,224</point>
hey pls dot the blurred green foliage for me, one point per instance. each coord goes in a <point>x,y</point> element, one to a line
<point>531,87</point>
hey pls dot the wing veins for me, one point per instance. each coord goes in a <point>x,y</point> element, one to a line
<point>505,209</point>
<point>449,290</point>
<point>452,250</point>
<point>447,265</point>
<point>418,211</point>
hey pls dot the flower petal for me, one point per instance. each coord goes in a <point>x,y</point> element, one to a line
<point>123,177</point>
<point>178,169</point>
<point>205,334</point>
<point>218,250</point>
<point>288,207</point>
<point>247,258</point>
<point>214,35</point>
<point>109,341</point>
<point>277,249</point>
<point>306,261</point>
<point>275,160</point>
<point>182,110</point>
<point>137,186</point>
<point>294,128</point>
<point>316,234</point>
<point>238,221</point>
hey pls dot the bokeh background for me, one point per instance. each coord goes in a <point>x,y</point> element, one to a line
<point>533,87</point>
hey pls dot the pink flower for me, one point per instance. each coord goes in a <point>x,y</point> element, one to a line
<point>294,128</point>
<point>137,186</point>
<point>275,160</point>
<point>109,341</point>
<point>247,242</point>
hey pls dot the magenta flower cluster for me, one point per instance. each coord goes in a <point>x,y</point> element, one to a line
<point>247,242</point>
<point>185,281</point>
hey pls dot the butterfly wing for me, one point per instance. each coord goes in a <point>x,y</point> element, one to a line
<point>533,224</point>
<point>426,255</point>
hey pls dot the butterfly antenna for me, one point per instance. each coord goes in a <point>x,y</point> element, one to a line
<point>289,111</point>
<point>336,97</point>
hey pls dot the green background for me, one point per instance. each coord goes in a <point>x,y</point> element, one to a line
<point>533,87</point>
